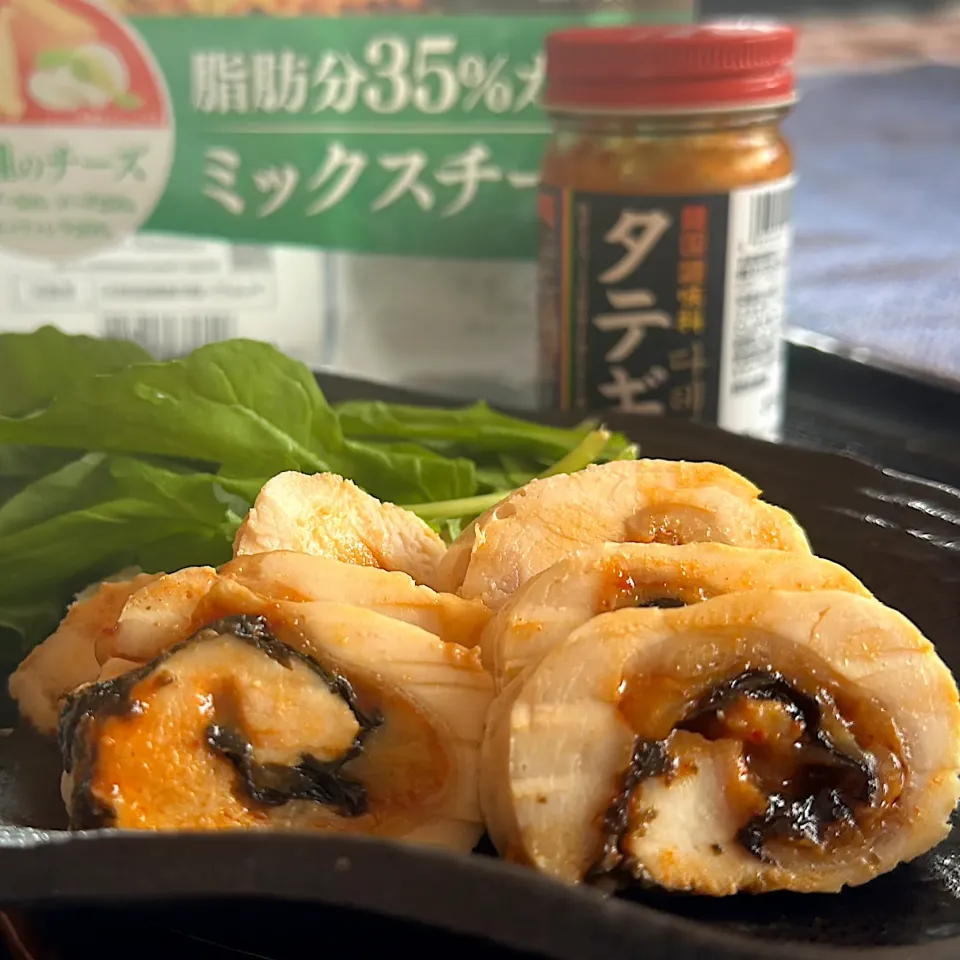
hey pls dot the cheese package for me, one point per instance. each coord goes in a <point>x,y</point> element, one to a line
<point>353,180</point>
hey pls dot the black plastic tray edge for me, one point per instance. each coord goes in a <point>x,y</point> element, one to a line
<point>558,921</point>
<point>310,868</point>
<point>869,357</point>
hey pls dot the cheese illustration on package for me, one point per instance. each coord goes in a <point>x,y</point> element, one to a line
<point>85,129</point>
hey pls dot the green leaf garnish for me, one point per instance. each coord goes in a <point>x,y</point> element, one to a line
<point>110,459</point>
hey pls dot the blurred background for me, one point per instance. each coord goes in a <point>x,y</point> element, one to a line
<point>875,276</point>
<point>877,134</point>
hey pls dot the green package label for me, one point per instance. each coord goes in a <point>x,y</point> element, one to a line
<point>359,190</point>
<point>415,135</point>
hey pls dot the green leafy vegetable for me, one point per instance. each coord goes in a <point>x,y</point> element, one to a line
<point>20,466</point>
<point>100,513</point>
<point>35,367</point>
<point>585,453</point>
<point>508,452</point>
<point>433,475</point>
<point>110,459</point>
<point>240,404</point>
<point>75,484</point>
<point>471,431</point>
<point>397,473</point>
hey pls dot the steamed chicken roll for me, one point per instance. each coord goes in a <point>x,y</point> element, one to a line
<point>298,576</point>
<point>635,501</point>
<point>67,657</point>
<point>166,611</point>
<point>309,716</point>
<point>759,741</point>
<point>327,516</point>
<point>548,608</point>
<point>156,616</point>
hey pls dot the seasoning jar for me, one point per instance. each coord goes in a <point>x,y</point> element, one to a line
<point>665,208</point>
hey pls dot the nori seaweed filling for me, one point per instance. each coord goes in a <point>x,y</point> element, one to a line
<point>268,784</point>
<point>663,603</point>
<point>837,785</point>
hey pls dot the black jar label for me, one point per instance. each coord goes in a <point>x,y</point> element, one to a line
<point>666,306</point>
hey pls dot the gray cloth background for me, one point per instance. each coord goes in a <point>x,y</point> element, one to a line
<point>877,255</point>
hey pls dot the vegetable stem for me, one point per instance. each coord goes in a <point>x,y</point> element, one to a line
<point>452,509</point>
<point>582,455</point>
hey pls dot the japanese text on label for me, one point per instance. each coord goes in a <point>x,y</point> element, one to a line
<point>431,75</point>
<point>450,186</point>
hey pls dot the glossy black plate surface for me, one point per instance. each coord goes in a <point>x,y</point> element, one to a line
<point>899,534</point>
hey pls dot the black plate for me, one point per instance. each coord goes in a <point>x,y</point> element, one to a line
<point>899,534</point>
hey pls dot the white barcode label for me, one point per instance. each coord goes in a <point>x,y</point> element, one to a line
<point>752,357</point>
<point>173,294</point>
<point>170,335</point>
<point>770,212</point>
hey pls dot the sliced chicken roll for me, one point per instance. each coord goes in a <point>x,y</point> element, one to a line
<point>68,657</point>
<point>630,501</point>
<point>293,715</point>
<point>124,625</point>
<point>759,741</point>
<point>297,576</point>
<point>548,608</point>
<point>324,515</point>
<point>156,616</point>
<point>166,612</point>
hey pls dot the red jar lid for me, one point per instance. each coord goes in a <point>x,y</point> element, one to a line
<point>670,69</point>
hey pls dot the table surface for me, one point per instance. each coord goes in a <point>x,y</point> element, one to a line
<point>877,250</point>
<point>877,132</point>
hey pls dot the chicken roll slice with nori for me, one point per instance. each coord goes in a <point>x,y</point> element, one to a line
<point>634,501</point>
<point>166,612</point>
<point>316,715</point>
<point>68,657</point>
<point>325,515</point>
<point>758,741</point>
<point>548,608</point>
